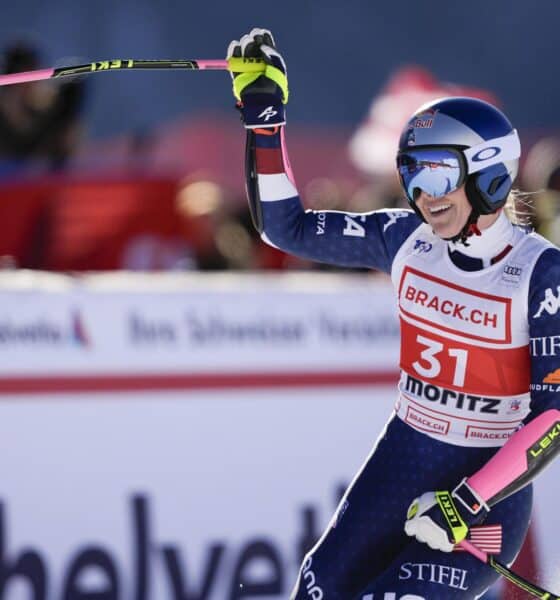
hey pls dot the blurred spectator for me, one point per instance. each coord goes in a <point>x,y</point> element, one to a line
<point>217,227</point>
<point>374,144</point>
<point>39,122</point>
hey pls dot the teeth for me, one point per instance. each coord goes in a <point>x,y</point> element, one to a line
<point>436,209</point>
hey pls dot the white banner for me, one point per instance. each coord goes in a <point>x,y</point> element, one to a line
<point>174,496</point>
<point>185,437</point>
<point>195,324</point>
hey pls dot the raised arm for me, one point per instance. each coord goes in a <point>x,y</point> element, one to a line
<point>347,239</point>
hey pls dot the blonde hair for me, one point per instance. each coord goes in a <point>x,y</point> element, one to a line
<point>520,209</point>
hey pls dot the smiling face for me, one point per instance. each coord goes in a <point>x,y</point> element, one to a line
<point>448,214</point>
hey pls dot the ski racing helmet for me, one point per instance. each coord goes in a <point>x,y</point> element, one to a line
<point>454,141</point>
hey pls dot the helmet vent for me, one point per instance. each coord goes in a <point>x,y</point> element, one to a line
<point>496,183</point>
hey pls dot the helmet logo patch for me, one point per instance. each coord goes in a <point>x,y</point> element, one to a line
<point>424,120</point>
<point>423,123</point>
<point>486,153</point>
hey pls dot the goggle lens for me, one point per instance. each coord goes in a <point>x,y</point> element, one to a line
<point>436,171</point>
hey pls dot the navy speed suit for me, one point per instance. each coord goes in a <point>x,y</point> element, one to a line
<point>477,363</point>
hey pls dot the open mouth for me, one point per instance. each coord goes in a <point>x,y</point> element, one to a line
<point>439,210</point>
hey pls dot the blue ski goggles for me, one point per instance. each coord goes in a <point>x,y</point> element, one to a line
<point>436,171</point>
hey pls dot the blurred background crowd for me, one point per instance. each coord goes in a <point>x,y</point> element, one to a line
<point>144,171</point>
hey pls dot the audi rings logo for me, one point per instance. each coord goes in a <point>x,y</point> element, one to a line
<point>486,153</point>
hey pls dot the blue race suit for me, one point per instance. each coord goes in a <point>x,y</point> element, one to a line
<point>480,336</point>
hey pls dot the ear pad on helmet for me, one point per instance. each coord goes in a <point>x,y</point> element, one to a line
<point>488,190</point>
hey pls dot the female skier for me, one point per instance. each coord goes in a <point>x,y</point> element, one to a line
<point>478,408</point>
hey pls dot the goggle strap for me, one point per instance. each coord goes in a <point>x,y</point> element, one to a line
<point>492,152</point>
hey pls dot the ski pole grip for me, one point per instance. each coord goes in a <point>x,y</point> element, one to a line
<point>246,65</point>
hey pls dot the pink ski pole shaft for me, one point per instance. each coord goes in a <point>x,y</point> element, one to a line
<point>238,65</point>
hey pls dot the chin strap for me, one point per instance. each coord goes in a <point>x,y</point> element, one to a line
<point>470,228</point>
<point>473,230</point>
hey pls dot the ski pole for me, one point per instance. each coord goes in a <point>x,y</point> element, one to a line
<point>507,573</point>
<point>238,65</point>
